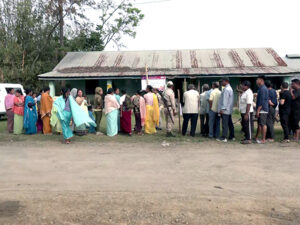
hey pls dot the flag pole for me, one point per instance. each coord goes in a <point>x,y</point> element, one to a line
<point>146,70</point>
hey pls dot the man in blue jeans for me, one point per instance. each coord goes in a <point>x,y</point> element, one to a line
<point>214,118</point>
<point>225,108</point>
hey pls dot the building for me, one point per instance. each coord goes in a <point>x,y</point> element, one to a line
<point>125,69</point>
<point>293,61</point>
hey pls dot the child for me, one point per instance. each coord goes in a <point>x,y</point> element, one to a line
<point>92,129</point>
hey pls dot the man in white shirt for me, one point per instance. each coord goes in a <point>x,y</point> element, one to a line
<point>246,109</point>
<point>190,110</point>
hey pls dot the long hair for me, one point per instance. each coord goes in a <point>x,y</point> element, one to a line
<point>64,92</point>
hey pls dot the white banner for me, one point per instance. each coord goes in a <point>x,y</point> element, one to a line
<point>158,82</point>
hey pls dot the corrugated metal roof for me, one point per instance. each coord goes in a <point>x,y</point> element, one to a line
<point>170,63</point>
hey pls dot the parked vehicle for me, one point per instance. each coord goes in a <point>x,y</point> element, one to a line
<point>3,92</point>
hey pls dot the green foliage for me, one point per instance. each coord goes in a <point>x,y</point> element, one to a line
<point>30,33</point>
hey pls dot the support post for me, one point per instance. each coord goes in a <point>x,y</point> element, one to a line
<point>146,71</point>
<point>52,88</point>
<point>108,84</point>
<point>179,110</point>
<point>184,85</point>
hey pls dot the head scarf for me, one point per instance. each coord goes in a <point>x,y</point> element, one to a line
<point>73,93</point>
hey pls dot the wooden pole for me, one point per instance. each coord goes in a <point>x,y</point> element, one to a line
<point>184,85</point>
<point>146,70</point>
<point>178,100</point>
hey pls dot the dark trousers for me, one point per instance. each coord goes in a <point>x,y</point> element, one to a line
<point>270,123</point>
<point>204,124</point>
<point>284,121</point>
<point>138,122</point>
<point>247,126</point>
<point>214,125</point>
<point>186,118</point>
<point>227,123</point>
<point>98,115</point>
<point>10,120</point>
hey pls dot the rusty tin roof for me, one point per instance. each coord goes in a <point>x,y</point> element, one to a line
<point>176,63</point>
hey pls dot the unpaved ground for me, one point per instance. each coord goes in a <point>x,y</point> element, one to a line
<point>205,183</point>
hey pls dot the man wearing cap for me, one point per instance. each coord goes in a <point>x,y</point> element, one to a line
<point>170,108</point>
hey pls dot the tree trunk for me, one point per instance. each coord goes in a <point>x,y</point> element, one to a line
<point>61,22</point>
<point>23,60</point>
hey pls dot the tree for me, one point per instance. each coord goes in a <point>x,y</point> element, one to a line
<point>25,49</point>
<point>117,20</point>
<point>35,34</point>
<point>72,10</point>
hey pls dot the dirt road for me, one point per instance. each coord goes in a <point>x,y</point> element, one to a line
<point>205,183</point>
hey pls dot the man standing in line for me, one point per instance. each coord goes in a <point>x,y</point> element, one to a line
<point>161,108</point>
<point>46,107</point>
<point>246,109</point>
<point>98,108</point>
<point>214,118</point>
<point>295,113</point>
<point>190,109</point>
<point>271,115</point>
<point>170,108</point>
<point>262,109</point>
<point>204,110</point>
<point>9,105</point>
<point>225,108</point>
<point>285,101</point>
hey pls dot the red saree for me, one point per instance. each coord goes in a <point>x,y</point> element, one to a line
<point>126,122</point>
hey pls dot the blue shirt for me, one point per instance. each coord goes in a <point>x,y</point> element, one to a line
<point>273,97</point>
<point>226,100</point>
<point>263,98</point>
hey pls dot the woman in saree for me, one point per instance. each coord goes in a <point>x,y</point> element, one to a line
<point>64,114</point>
<point>152,111</point>
<point>54,121</point>
<point>39,123</point>
<point>126,111</point>
<point>139,109</point>
<point>112,113</point>
<point>30,114</point>
<point>18,112</point>
<point>67,108</point>
<point>81,130</point>
<point>118,98</point>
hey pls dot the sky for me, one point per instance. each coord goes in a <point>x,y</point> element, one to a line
<point>205,24</point>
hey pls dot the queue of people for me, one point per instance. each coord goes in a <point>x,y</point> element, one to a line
<point>71,112</point>
<point>220,108</point>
